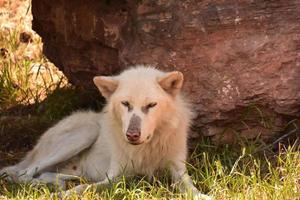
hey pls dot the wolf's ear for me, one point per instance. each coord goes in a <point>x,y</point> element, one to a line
<point>106,85</point>
<point>171,82</point>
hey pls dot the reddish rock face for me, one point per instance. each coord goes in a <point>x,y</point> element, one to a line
<point>240,58</point>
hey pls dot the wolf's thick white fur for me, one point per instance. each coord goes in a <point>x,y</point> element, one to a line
<point>94,145</point>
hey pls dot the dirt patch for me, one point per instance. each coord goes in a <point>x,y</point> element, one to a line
<point>22,125</point>
<point>17,136</point>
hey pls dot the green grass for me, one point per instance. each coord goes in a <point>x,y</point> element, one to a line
<point>222,172</point>
<point>243,174</point>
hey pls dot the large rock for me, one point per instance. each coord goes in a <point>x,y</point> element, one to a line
<point>241,59</point>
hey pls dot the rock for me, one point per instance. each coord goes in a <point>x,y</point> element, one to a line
<point>237,56</point>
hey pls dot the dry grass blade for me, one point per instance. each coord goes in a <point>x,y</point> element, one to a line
<point>26,76</point>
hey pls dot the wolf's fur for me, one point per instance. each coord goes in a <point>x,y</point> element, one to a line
<point>96,146</point>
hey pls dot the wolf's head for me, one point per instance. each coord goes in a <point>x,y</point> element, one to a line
<point>140,100</point>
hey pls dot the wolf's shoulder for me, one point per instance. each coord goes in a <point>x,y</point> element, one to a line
<point>82,117</point>
<point>84,113</point>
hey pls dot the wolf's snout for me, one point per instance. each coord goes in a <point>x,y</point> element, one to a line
<point>133,136</point>
<point>133,132</point>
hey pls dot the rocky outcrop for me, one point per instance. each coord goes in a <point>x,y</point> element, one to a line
<point>241,59</point>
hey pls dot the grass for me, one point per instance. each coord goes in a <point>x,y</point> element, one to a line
<point>222,172</point>
<point>34,95</point>
<point>25,79</point>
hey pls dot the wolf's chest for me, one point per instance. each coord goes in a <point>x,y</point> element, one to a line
<point>146,160</point>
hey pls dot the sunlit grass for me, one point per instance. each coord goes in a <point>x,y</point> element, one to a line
<point>239,175</point>
<point>26,80</point>
<point>221,172</point>
<point>26,76</point>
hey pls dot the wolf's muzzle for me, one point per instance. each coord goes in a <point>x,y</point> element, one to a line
<point>133,132</point>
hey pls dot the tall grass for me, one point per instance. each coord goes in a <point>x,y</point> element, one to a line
<point>26,76</point>
<point>25,80</point>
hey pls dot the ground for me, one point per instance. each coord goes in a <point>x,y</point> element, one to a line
<point>34,94</point>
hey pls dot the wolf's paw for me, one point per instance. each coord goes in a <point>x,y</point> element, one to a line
<point>200,196</point>
<point>8,174</point>
<point>23,177</point>
<point>78,191</point>
<point>56,195</point>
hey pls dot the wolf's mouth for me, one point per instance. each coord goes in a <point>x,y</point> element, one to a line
<point>135,143</point>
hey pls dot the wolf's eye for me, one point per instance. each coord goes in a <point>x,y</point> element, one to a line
<point>146,108</point>
<point>127,105</point>
<point>151,105</point>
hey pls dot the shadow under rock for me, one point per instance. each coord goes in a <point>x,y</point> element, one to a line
<point>22,125</point>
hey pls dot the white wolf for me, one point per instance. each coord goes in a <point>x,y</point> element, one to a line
<point>142,129</point>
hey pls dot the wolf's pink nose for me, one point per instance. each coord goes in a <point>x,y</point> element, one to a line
<point>133,136</point>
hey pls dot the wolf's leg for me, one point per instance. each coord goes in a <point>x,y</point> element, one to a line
<point>9,173</point>
<point>60,150</point>
<point>79,189</point>
<point>112,175</point>
<point>54,178</point>
<point>181,178</point>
